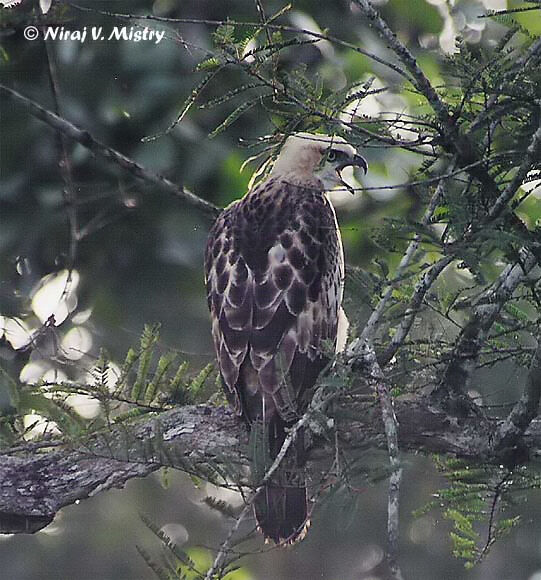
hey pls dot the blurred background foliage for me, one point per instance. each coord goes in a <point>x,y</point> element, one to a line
<point>139,260</point>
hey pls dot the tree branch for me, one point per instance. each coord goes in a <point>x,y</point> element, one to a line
<point>362,352</point>
<point>457,376</point>
<point>371,325</point>
<point>85,138</point>
<point>525,410</point>
<point>422,287</point>
<point>419,79</point>
<point>453,140</point>
<point>34,486</point>
<point>531,156</point>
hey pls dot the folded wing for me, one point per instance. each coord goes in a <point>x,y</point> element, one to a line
<point>274,277</point>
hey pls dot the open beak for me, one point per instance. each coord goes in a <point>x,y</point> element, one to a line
<point>360,161</point>
<point>357,161</point>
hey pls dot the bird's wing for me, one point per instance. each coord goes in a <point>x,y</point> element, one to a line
<point>274,280</point>
<point>230,300</point>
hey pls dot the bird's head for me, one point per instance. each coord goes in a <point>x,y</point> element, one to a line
<point>307,155</point>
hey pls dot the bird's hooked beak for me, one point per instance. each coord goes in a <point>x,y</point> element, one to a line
<point>360,161</point>
<point>357,161</point>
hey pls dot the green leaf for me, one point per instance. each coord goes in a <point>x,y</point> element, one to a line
<point>187,105</point>
<point>155,384</point>
<point>67,419</point>
<point>9,386</point>
<point>232,117</point>
<point>209,64</point>
<point>149,338</point>
<point>160,572</point>
<point>199,381</point>
<point>221,506</point>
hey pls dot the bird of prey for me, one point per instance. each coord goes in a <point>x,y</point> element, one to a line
<point>274,271</point>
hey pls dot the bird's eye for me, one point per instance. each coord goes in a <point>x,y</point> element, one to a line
<point>331,155</point>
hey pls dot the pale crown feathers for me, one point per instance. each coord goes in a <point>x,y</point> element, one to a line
<point>305,156</point>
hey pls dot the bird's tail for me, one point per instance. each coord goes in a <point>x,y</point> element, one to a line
<point>281,506</point>
<point>282,513</point>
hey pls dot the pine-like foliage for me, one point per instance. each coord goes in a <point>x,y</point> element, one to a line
<point>177,564</point>
<point>479,502</point>
<point>149,381</point>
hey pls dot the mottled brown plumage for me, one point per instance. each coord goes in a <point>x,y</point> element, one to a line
<point>274,272</point>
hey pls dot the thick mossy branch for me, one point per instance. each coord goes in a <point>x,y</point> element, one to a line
<point>34,486</point>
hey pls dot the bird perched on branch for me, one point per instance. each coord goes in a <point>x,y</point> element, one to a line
<point>274,271</point>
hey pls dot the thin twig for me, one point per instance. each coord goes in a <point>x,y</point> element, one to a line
<point>370,327</point>
<point>457,376</point>
<point>64,163</point>
<point>422,287</point>
<point>86,139</point>
<point>498,491</point>
<point>361,352</point>
<point>289,440</point>
<point>526,409</point>
<point>279,27</point>
<point>532,156</point>
<point>263,18</point>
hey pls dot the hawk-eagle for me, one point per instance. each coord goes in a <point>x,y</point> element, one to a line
<point>274,271</point>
